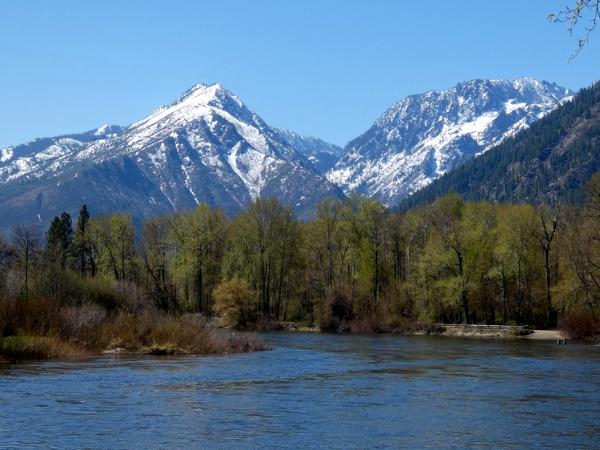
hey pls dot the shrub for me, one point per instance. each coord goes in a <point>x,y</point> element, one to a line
<point>368,325</point>
<point>100,291</point>
<point>123,330</point>
<point>37,347</point>
<point>134,300</point>
<point>166,335</point>
<point>35,317</point>
<point>81,322</point>
<point>45,328</point>
<point>581,325</point>
<point>236,303</point>
<point>337,309</point>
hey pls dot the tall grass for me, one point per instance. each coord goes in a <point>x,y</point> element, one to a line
<point>107,317</point>
<point>38,347</point>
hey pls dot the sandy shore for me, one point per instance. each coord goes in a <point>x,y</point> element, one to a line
<point>549,335</point>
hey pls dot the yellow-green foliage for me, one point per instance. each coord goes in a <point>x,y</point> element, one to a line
<point>449,261</point>
<point>236,303</point>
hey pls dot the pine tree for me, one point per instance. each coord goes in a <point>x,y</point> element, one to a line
<point>59,240</point>
<point>81,242</point>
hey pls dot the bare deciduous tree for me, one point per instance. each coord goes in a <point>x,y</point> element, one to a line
<point>26,241</point>
<point>582,12</point>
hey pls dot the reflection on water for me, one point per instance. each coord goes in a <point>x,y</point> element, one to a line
<point>313,390</point>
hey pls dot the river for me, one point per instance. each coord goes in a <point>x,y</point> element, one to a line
<point>313,390</point>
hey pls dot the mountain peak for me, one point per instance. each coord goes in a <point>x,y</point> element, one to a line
<point>204,147</point>
<point>106,130</point>
<point>423,136</point>
<point>202,92</point>
<point>545,164</point>
<point>197,102</point>
<point>215,95</point>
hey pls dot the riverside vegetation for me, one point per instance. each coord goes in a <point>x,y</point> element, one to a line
<point>356,266</point>
<point>70,295</point>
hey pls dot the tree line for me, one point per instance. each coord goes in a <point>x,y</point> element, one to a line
<point>450,261</point>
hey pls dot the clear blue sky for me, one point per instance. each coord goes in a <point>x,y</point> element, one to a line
<point>326,68</point>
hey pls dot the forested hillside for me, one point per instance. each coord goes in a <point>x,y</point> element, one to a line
<point>547,163</point>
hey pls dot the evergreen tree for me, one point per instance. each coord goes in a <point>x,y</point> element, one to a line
<point>81,243</point>
<point>59,240</point>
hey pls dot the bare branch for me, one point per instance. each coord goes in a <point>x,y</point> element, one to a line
<point>586,11</point>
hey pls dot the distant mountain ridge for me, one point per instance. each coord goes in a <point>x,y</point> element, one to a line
<point>207,146</point>
<point>321,154</point>
<point>550,162</point>
<point>424,136</point>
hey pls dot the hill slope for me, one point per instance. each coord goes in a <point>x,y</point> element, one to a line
<point>549,162</point>
<point>423,136</point>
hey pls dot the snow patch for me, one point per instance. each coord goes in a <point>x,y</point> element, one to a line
<point>512,105</point>
<point>249,167</point>
<point>6,154</point>
<point>187,180</point>
<point>102,130</point>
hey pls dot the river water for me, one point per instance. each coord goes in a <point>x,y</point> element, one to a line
<point>313,390</point>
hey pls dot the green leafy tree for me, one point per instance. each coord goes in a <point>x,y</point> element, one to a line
<point>263,249</point>
<point>156,254</point>
<point>372,219</point>
<point>199,238</point>
<point>112,238</point>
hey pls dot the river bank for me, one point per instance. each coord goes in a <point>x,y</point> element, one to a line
<point>22,348</point>
<point>157,334</point>
<point>83,332</point>
<point>547,335</point>
<point>452,330</point>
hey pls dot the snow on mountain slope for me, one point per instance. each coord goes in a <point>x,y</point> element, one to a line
<point>321,154</point>
<point>423,136</point>
<point>205,147</point>
<point>45,155</point>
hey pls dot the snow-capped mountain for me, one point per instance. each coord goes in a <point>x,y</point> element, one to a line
<point>320,153</point>
<point>205,147</point>
<point>423,136</point>
<point>45,155</point>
